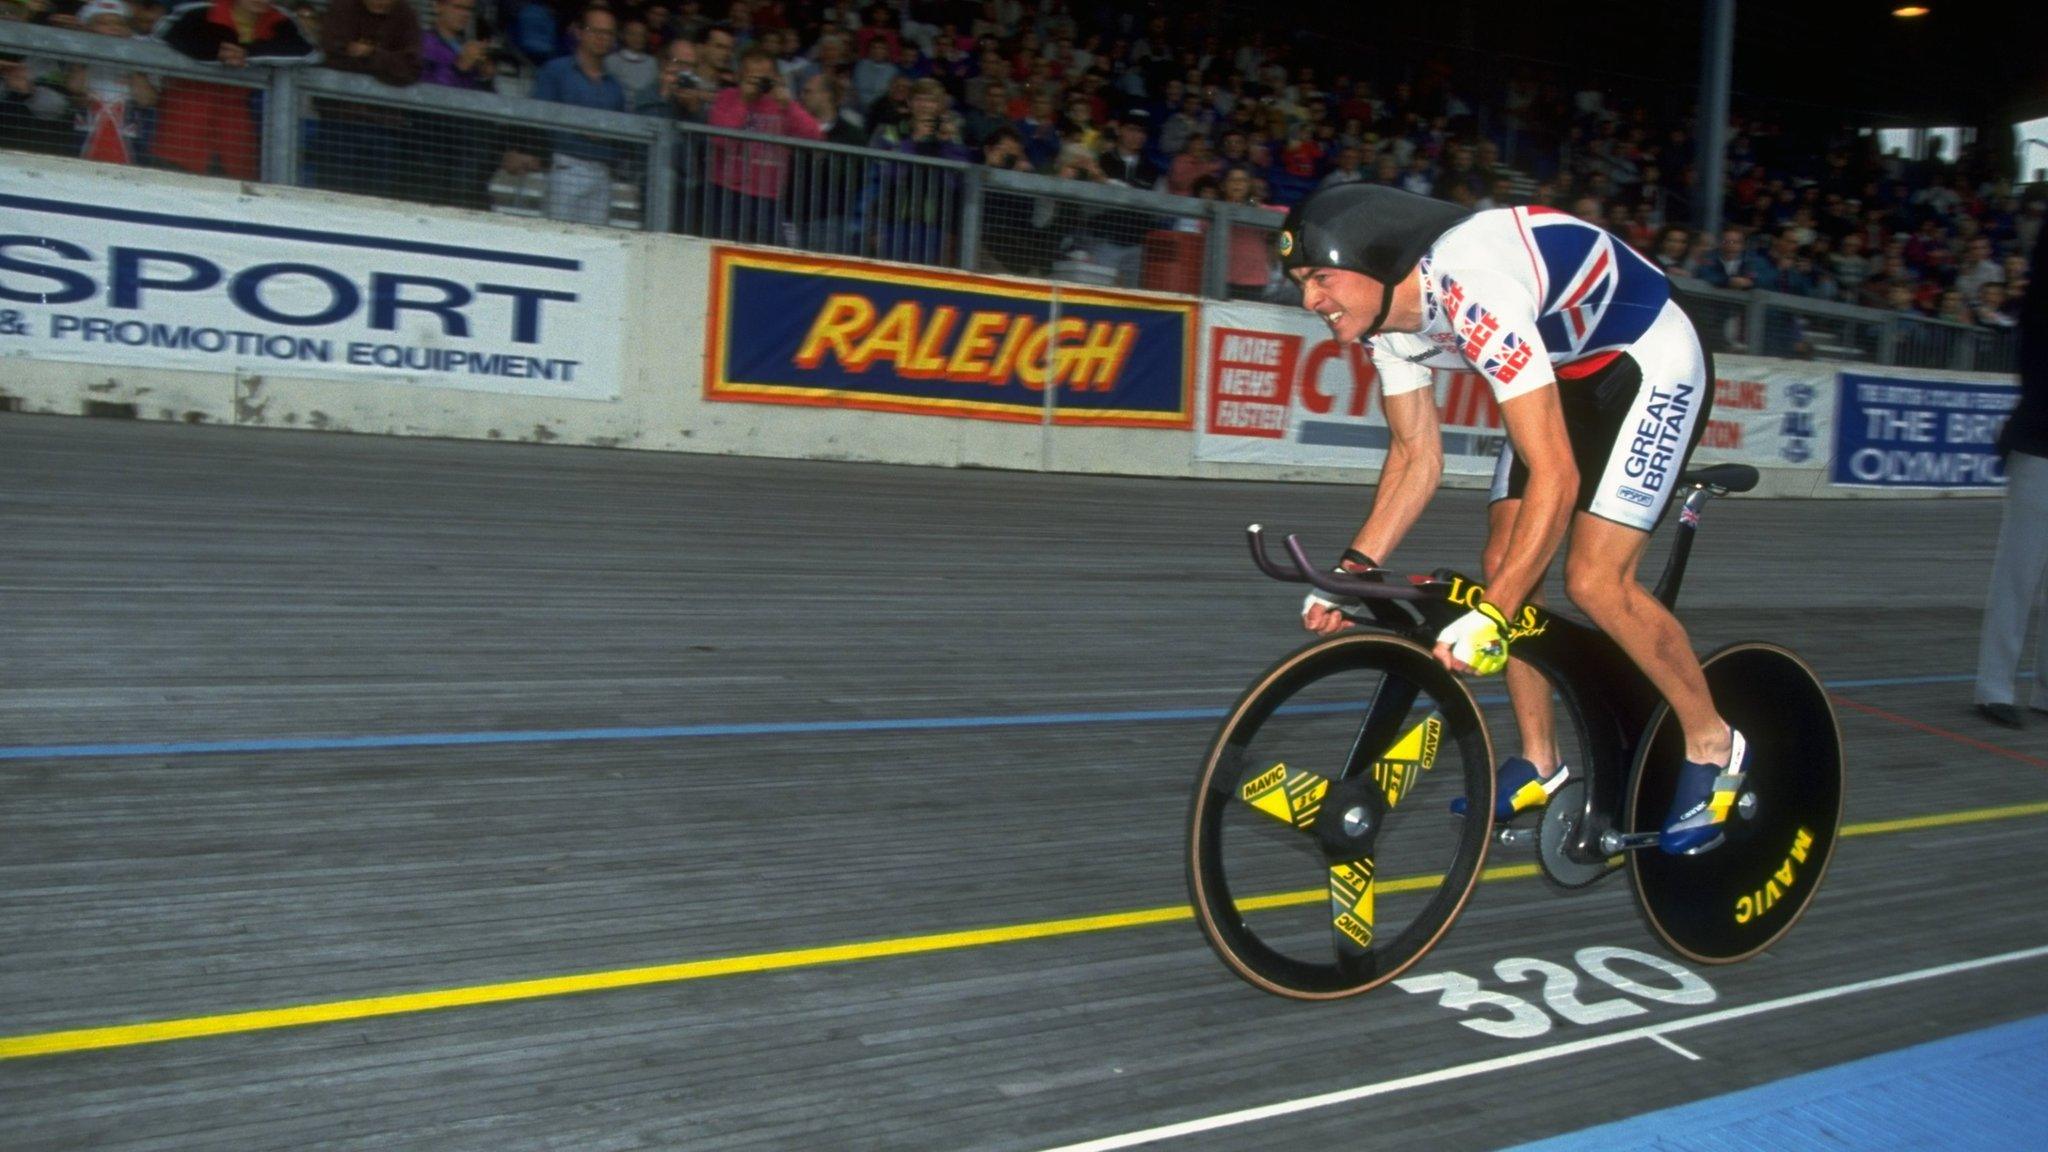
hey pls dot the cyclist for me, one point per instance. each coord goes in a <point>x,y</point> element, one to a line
<point>1604,391</point>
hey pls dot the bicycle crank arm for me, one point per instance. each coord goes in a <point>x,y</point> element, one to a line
<point>1514,837</point>
<point>1615,843</point>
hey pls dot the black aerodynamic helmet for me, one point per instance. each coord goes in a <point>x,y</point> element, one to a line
<point>1366,228</point>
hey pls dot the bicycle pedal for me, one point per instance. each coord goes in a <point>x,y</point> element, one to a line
<point>1514,837</point>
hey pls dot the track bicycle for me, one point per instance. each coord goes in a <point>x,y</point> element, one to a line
<point>1337,766</point>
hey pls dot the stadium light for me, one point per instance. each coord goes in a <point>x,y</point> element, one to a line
<point>1908,11</point>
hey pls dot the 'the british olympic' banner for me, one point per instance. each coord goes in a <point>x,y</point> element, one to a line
<point>1281,391</point>
<point>119,270</point>
<point>1906,432</point>
<point>792,329</point>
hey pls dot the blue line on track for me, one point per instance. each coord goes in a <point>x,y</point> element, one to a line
<point>695,731</point>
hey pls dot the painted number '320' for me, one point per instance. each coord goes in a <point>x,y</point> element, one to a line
<point>1515,1018</point>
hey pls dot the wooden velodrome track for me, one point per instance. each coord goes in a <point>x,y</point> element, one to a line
<point>370,793</point>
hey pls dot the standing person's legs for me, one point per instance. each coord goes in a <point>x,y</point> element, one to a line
<point>579,190</point>
<point>2016,578</point>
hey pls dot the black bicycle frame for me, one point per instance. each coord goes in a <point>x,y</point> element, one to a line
<point>1604,692</point>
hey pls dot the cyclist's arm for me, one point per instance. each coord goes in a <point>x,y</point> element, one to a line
<point>1414,465</point>
<point>1535,425</point>
<point>1495,317</point>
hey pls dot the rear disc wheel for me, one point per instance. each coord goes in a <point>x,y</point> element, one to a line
<point>1736,900</point>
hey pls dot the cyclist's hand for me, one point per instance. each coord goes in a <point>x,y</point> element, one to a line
<point>1475,642</point>
<point>1326,614</point>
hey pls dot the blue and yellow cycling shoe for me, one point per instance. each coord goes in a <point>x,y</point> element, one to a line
<point>1519,788</point>
<point>1706,794</point>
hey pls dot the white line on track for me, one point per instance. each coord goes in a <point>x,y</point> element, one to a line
<point>1675,1046</point>
<point>1652,1032</point>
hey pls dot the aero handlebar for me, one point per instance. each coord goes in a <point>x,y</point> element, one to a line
<point>1305,571</point>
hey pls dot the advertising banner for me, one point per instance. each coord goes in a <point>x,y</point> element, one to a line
<point>1769,414</point>
<point>105,270</point>
<point>1903,432</point>
<point>795,329</point>
<point>1279,390</point>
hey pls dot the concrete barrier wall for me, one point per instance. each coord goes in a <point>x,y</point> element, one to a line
<point>654,331</point>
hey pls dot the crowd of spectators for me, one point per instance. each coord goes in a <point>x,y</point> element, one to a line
<point>1137,93</point>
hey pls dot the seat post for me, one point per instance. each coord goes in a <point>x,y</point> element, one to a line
<point>1681,549</point>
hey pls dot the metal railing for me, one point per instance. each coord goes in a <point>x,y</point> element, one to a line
<point>1761,323</point>
<point>318,128</point>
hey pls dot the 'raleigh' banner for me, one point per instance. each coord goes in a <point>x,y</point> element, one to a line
<point>795,329</point>
<point>116,270</point>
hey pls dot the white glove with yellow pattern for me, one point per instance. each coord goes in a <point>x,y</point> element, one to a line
<point>1478,639</point>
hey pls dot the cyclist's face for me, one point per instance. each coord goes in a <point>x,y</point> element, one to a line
<point>1347,301</point>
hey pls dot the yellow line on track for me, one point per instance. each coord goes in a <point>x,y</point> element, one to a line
<point>159,1031</point>
<point>1943,819</point>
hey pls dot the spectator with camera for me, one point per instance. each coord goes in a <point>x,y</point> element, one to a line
<point>908,198</point>
<point>680,92</point>
<point>748,176</point>
<point>449,55</point>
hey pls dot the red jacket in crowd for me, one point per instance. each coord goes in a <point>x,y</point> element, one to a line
<point>201,126</point>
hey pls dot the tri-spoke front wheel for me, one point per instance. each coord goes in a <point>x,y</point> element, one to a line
<point>1323,854</point>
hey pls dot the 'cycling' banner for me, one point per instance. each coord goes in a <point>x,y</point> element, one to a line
<point>1278,390</point>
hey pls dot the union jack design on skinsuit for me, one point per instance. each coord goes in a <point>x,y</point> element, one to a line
<point>1508,360</point>
<point>1476,329</point>
<point>1598,295</point>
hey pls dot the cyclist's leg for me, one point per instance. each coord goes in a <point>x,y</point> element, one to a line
<point>1525,781</point>
<point>1600,577</point>
<point>1656,398</point>
<point>1528,691</point>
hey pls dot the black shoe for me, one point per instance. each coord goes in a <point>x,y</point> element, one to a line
<point>2003,715</point>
